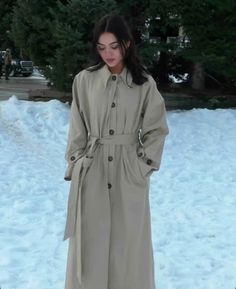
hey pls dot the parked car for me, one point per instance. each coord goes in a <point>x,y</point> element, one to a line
<point>20,66</point>
<point>23,67</point>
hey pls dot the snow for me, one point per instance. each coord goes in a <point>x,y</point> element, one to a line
<point>192,198</point>
<point>179,79</point>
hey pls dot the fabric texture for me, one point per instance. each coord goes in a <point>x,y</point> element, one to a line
<point>116,137</point>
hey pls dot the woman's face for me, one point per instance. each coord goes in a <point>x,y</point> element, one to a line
<point>110,51</point>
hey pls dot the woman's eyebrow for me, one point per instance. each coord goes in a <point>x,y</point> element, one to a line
<point>108,44</point>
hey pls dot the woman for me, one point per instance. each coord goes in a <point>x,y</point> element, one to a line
<point>116,137</point>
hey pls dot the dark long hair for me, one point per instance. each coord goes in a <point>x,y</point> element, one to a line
<point>117,25</point>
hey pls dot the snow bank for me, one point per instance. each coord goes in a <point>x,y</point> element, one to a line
<point>192,198</point>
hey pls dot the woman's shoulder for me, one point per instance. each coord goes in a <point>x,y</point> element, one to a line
<point>87,72</point>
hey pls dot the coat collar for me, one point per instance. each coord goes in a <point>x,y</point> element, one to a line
<point>125,75</point>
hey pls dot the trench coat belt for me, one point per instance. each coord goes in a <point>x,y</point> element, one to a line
<point>74,214</point>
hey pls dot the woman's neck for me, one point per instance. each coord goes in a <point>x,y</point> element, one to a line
<point>117,69</point>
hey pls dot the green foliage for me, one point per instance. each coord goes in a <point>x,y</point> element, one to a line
<point>162,21</point>
<point>148,52</point>
<point>134,12</point>
<point>73,25</point>
<point>211,28</point>
<point>6,9</point>
<point>31,29</point>
<point>57,34</point>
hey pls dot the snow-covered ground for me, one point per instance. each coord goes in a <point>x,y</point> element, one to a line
<point>192,197</point>
<point>37,74</point>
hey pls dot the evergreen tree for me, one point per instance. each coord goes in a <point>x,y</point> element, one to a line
<point>73,26</point>
<point>211,28</point>
<point>163,22</point>
<point>56,34</point>
<point>6,11</point>
<point>134,13</point>
<point>32,30</point>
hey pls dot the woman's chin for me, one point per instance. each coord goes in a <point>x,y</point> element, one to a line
<point>111,64</point>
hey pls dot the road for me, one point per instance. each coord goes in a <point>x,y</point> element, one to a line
<point>29,88</point>
<point>21,86</point>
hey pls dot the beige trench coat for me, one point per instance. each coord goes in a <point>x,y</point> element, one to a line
<point>116,136</point>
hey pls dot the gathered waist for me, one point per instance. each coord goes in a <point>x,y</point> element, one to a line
<point>117,139</point>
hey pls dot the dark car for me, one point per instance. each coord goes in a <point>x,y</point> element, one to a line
<point>20,66</point>
<point>23,67</point>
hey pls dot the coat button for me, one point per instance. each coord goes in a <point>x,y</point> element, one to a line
<point>109,186</point>
<point>113,77</point>
<point>72,158</point>
<point>149,162</point>
<point>111,131</point>
<point>140,155</point>
<point>113,104</point>
<point>110,158</point>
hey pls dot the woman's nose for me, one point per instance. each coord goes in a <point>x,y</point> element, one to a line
<point>108,51</point>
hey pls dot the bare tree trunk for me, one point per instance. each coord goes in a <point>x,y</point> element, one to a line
<point>198,78</point>
<point>21,53</point>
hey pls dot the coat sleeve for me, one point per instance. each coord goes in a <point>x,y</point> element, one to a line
<point>153,131</point>
<point>77,135</point>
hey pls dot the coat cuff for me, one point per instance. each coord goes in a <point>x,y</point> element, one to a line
<point>147,165</point>
<point>68,173</point>
<point>71,160</point>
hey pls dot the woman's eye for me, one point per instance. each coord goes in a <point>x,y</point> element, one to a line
<point>102,48</point>
<point>99,48</point>
<point>115,46</point>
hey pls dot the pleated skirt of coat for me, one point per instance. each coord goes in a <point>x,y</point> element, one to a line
<point>116,244</point>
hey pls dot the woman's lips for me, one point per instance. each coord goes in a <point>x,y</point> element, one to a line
<point>110,60</point>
